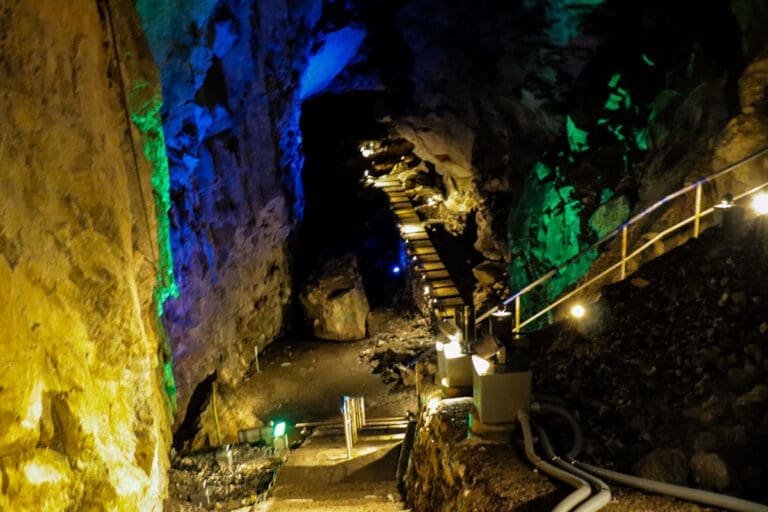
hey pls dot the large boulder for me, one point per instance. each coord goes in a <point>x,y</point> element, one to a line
<point>334,301</point>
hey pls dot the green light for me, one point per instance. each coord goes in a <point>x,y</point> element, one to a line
<point>641,138</point>
<point>577,138</point>
<point>145,108</point>
<point>614,81</point>
<point>648,60</point>
<point>279,429</point>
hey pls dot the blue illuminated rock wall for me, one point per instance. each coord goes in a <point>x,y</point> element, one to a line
<point>234,73</point>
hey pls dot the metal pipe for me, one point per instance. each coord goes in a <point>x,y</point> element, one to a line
<point>623,252</point>
<point>582,491</point>
<point>597,501</point>
<point>347,424</point>
<point>676,491</point>
<point>697,211</point>
<point>572,422</point>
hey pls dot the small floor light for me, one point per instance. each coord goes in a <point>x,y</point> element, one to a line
<point>578,311</point>
<point>760,203</point>
<point>502,312</point>
<point>725,202</point>
<point>396,270</point>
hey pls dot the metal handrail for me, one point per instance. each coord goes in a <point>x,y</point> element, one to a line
<point>623,229</point>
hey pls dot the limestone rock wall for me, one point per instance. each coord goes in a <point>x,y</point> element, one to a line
<point>83,424</point>
<point>234,74</point>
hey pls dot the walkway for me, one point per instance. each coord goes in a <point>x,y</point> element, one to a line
<point>318,476</point>
<point>440,289</point>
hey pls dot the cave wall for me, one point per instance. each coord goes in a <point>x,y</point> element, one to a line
<point>234,75</point>
<point>83,421</point>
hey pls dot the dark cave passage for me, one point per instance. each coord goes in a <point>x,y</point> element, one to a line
<point>341,215</point>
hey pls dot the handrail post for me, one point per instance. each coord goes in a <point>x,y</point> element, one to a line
<point>623,252</point>
<point>697,215</point>
<point>517,314</point>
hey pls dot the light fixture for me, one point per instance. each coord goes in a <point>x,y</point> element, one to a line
<point>414,258</point>
<point>409,229</point>
<point>365,173</point>
<point>279,429</point>
<point>578,311</point>
<point>426,289</point>
<point>396,269</point>
<point>501,311</point>
<point>760,203</point>
<point>725,202</point>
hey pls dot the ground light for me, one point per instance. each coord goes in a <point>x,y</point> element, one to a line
<point>578,311</point>
<point>396,269</point>
<point>279,429</point>
<point>501,311</point>
<point>760,203</point>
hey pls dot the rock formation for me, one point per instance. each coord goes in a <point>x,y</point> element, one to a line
<point>334,301</point>
<point>83,423</point>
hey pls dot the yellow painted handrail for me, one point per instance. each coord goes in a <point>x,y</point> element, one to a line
<point>625,257</point>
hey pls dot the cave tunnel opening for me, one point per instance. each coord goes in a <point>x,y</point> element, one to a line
<point>342,215</point>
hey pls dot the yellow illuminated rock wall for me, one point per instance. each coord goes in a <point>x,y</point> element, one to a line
<point>83,424</point>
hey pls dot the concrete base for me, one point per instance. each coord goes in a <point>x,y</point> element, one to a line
<point>497,432</point>
<point>454,366</point>
<point>447,391</point>
<point>499,392</point>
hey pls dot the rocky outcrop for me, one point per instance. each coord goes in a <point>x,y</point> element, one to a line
<point>234,75</point>
<point>83,424</point>
<point>334,301</point>
<point>449,470</point>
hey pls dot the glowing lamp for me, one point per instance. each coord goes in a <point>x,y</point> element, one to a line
<point>578,311</point>
<point>760,203</point>
<point>454,366</point>
<point>501,312</point>
<point>409,229</point>
<point>726,202</point>
<point>426,290</point>
<point>279,429</point>
<point>396,269</point>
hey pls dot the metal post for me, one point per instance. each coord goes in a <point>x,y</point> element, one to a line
<point>256,355</point>
<point>697,215</point>
<point>362,411</point>
<point>623,252</point>
<point>347,426</point>
<point>215,413</point>
<point>517,314</point>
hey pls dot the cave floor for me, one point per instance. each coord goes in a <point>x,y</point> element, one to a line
<point>304,380</point>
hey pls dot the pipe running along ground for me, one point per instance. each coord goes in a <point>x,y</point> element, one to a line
<point>583,490</point>
<point>597,501</point>
<point>676,491</point>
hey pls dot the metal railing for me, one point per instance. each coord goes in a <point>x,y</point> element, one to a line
<point>627,256</point>
<point>353,411</point>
